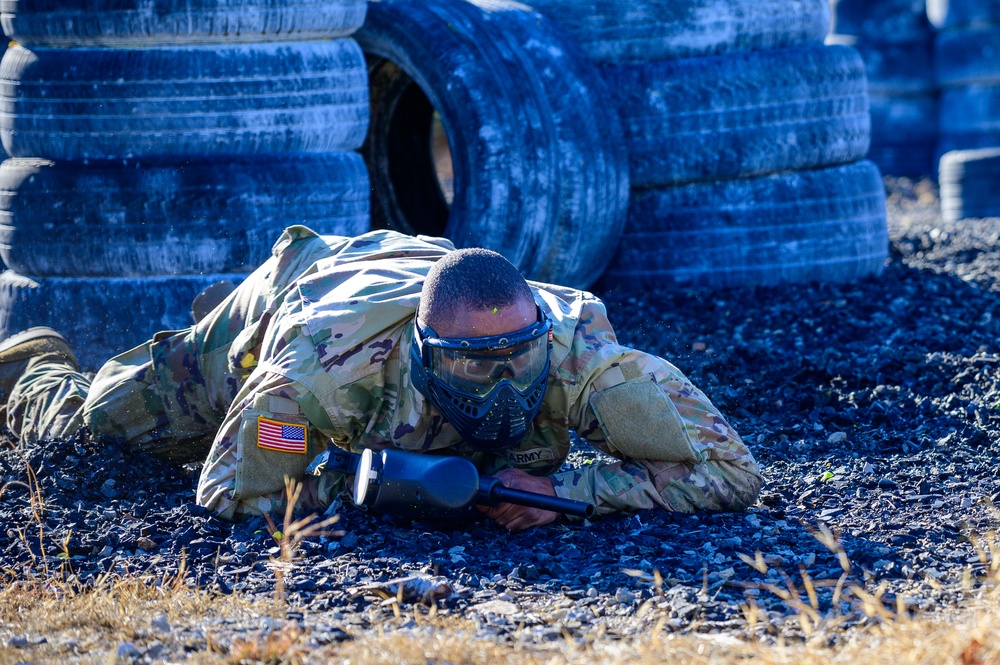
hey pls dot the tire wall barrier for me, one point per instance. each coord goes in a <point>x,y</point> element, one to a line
<point>896,43</point>
<point>967,66</point>
<point>725,103</point>
<point>158,150</point>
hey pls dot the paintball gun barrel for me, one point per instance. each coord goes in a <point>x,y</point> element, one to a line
<point>431,486</point>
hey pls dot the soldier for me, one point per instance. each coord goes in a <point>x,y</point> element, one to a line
<point>388,340</point>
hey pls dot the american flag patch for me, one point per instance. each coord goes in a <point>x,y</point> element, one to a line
<point>286,437</point>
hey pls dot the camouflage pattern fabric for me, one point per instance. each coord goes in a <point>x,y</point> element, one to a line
<point>316,343</point>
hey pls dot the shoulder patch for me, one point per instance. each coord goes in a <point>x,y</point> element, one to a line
<point>283,437</point>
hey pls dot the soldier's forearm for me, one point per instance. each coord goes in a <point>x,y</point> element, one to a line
<point>633,485</point>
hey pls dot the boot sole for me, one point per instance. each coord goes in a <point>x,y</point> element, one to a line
<point>26,336</point>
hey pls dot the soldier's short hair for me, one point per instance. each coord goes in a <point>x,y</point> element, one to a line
<point>473,278</point>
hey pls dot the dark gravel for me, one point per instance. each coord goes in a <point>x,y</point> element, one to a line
<point>873,406</point>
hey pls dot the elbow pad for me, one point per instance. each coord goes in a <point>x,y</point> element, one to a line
<point>641,422</point>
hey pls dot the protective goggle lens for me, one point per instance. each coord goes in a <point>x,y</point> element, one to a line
<point>477,371</point>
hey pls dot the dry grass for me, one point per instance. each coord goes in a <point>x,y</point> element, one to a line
<point>87,625</point>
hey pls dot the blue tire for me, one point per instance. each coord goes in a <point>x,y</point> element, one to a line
<point>970,180</point>
<point>139,23</point>
<point>540,173</point>
<point>823,225</point>
<point>107,315</point>
<point>183,101</point>
<point>638,31</point>
<point>741,114</point>
<point>72,219</point>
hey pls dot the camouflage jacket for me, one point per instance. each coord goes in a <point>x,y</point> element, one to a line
<point>332,363</point>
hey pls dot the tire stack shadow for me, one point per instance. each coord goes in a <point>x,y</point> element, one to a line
<point>157,150</point>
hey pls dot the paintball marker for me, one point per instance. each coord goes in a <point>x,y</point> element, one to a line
<point>430,486</point>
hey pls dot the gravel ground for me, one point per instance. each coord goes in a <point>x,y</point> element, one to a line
<point>873,407</point>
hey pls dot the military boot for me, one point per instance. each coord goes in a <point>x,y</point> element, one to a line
<point>19,349</point>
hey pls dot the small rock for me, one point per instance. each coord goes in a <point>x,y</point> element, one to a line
<point>869,469</point>
<point>624,596</point>
<point>18,642</point>
<point>145,544</point>
<point>592,593</point>
<point>160,623</point>
<point>837,437</point>
<point>499,607</point>
<point>128,653</point>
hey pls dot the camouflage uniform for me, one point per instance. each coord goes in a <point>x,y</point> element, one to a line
<point>317,342</point>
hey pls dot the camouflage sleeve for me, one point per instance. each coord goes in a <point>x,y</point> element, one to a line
<point>243,476</point>
<point>721,474</point>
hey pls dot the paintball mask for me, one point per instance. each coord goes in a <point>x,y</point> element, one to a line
<point>488,388</point>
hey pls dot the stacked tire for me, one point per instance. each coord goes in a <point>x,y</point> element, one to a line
<point>701,142</point>
<point>896,41</point>
<point>157,150</point>
<point>967,64</point>
<point>744,135</point>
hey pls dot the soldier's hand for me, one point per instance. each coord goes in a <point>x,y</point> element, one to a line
<point>518,518</point>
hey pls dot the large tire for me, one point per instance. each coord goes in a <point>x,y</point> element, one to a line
<point>963,13</point>
<point>826,225</point>
<point>742,114</point>
<point>638,31</point>
<point>141,24</point>
<point>540,174</point>
<point>970,180</point>
<point>884,21</point>
<point>966,57</point>
<point>120,219</point>
<point>70,104</point>
<point>100,317</point>
<point>904,134</point>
